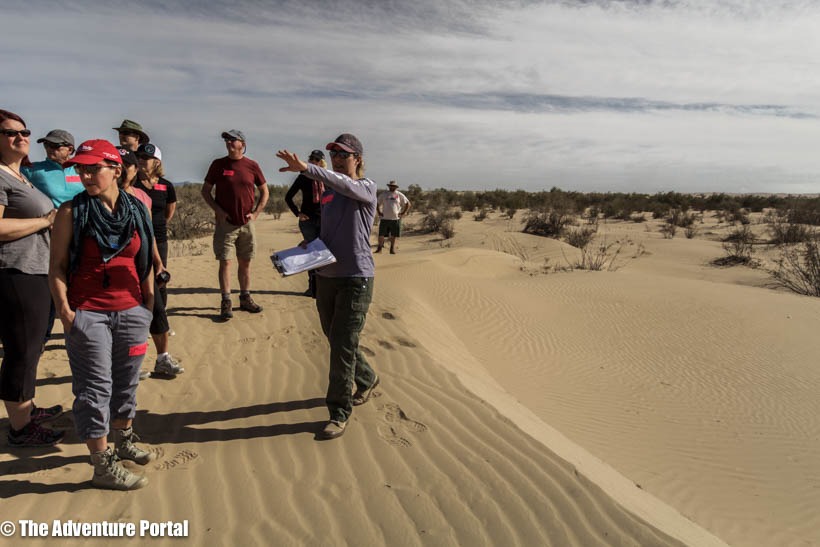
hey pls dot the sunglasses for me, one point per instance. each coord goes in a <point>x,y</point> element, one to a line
<point>15,133</point>
<point>55,145</point>
<point>91,169</point>
<point>341,154</point>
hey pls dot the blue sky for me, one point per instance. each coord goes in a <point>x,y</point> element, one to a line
<point>600,95</point>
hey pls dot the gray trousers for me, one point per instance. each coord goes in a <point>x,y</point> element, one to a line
<point>105,351</point>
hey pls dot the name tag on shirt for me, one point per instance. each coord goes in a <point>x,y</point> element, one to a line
<point>71,179</point>
<point>327,198</point>
<point>161,187</point>
<point>228,173</point>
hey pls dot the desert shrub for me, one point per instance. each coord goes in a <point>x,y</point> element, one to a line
<point>690,231</point>
<point>598,257</point>
<point>798,268</point>
<point>638,218</point>
<point>481,215</point>
<point>738,246</point>
<point>547,223</point>
<point>784,232</point>
<point>193,218</point>
<point>580,237</point>
<point>438,221</point>
<point>592,215</point>
<point>737,216</point>
<point>447,229</point>
<point>276,200</point>
<point>511,212</point>
<point>456,214</point>
<point>668,230</point>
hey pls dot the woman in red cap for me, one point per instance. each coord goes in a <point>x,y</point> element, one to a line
<point>101,260</point>
<point>26,214</point>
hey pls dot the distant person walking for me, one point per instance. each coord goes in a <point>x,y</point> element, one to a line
<point>131,135</point>
<point>344,289</point>
<point>310,210</point>
<point>150,179</point>
<point>236,179</point>
<point>26,217</point>
<point>392,206</point>
<point>102,288</point>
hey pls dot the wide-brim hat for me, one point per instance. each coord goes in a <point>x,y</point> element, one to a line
<point>392,184</point>
<point>133,127</point>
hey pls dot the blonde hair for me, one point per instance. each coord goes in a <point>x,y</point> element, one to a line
<point>360,168</point>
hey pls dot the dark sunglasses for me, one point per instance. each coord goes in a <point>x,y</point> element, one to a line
<point>91,169</point>
<point>15,133</point>
<point>230,140</point>
<point>341,154</point>
<point>55,145</point>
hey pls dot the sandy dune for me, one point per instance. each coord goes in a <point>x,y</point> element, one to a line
<point>664,403</point>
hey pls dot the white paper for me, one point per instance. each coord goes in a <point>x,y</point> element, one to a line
<point>296,259</point>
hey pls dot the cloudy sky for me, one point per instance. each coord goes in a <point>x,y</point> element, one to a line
<point>641,95</point>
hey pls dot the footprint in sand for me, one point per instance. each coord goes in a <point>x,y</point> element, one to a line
<point>391,436</point>
<point>181,458</point>
<point>405,343</point>
<point>395,416</point>
<point>386,345</point>
<point>367,351</point>
<point>388,315</point>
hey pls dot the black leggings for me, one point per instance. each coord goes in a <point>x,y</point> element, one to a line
<point>159,324</point>
<point>23,321</point>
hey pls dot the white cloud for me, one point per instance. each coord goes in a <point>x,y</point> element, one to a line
<point>607,95</point>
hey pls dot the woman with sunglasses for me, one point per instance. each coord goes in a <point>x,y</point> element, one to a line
<point>344,289</point>
<point>103,291</point>
<point>26,217</point>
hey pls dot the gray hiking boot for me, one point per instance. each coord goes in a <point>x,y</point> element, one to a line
<point>125,449</point>
<point>167,366</point>
<point>110,474</point>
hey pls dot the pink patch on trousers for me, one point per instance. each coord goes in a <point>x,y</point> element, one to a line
<point>138,350</point>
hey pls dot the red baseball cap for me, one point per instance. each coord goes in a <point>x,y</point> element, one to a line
<point>95,151</point>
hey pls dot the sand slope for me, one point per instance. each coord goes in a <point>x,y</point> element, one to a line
<point>516,407</point>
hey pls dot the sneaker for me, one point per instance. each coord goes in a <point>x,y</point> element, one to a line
<point>333,430</point>
<point>34,434</point>
<point>362,395</point>
<point>246,303</point>
<point>110,474</point>
<point>40,414</point>
<point>144,374</point>
<point>227,310</point>
<point>125,449</point>
<point>167,366</point>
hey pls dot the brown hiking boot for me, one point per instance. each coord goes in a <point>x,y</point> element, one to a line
<point>227,310</point>
<point>246,303</point>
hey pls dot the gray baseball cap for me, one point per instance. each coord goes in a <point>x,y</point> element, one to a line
<point>58,136</point>
<point>234,134</point>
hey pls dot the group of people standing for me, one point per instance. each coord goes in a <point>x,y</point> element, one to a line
<point>92,233</point>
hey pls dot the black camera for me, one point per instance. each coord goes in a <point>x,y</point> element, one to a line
<point>163,277</point>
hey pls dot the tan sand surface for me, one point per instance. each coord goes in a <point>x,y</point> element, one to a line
<point>664,403</point>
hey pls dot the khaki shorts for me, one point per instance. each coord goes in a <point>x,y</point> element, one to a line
<point>228,237</point>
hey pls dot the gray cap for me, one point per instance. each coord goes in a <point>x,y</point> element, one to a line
<point>58,136</point>
<point>348,143</point>
<point>234,134</point>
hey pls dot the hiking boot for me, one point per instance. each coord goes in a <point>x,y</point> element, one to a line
<point>125,449</point>
<point>40,414</point>
<point>362,395</point>
<point>144,374</point>
<point>33,434</point>
<point>167,366</point>
<point>333,430</point>
<point>227,310</point>
<point>378,250</point>
<point>110,474</point>
<point>246,303</point>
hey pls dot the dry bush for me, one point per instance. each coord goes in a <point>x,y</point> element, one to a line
<point>598,257</point>
<point>481,215</point>
<point>783,232</point>
<point>798,268</point>
<point>738,246</point>
<point>551,223</point>
<point>193,218</point>
<point>668,230</point>
<point>592,215</point>
<point>638,218</point>
<point>690,231</point>
<point>580,237</point>
<point>438,221</point>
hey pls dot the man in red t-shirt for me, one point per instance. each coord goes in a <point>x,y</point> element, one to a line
<point>236,179</point>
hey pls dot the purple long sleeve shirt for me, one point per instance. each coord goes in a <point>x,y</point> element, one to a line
<point>348,209</point>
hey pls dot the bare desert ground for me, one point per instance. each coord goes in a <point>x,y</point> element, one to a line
<point>663,402</point>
